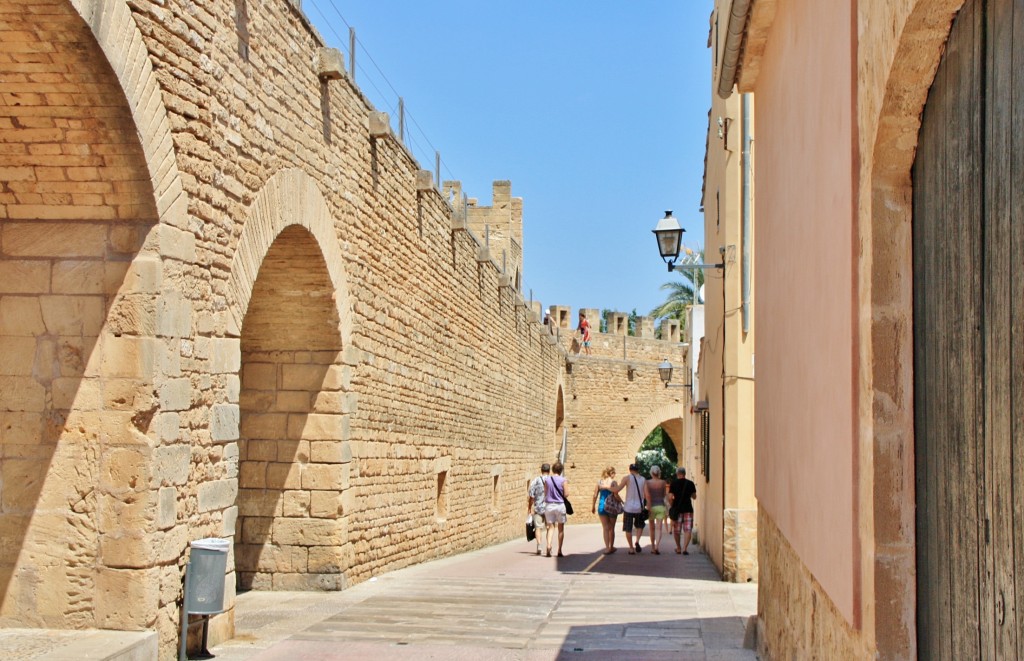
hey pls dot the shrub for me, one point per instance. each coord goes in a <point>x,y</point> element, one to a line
<point>647,458</point>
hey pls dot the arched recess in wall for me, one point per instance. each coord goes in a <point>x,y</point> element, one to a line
<point>559,419</point>
<point>288,283</point>
<point>79,294</point>
<point>915,61</point>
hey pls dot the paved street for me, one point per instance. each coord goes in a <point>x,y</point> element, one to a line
<point>505,603</point>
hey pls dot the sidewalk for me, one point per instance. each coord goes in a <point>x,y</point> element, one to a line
<point>504,603</point>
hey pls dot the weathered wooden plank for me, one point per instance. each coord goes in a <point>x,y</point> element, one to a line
<point>964,187</point>
<point>961,225</point>
<point>948,351</point>
<point>999,479</point>
<point>1016,361</point>
<point>922,377</point>
<point>928,440</point>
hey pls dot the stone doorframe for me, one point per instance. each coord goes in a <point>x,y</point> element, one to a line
<point>885,224</point>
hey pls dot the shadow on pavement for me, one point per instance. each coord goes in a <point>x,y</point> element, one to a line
<point>696,566</point>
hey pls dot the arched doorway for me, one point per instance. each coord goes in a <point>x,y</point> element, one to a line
<point>293,454</point>
<point>968,247</point>
<point>560,431</point>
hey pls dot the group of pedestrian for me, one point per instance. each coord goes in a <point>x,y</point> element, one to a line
<point>664,503</point>
<point>546,503</point>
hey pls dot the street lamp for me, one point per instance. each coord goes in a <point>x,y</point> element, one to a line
<point>665,372</point>
<point>670,236</point>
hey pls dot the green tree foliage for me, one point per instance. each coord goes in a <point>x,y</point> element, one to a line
<point>654,451</point>
<point>682,293</point>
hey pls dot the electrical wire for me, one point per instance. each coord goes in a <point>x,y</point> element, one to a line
<point>423,152</point>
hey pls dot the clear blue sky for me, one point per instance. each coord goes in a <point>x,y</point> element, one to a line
<point>596,112</point>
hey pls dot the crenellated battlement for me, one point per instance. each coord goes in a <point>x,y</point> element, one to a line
<point>498,227</point>
<point>618,323</point>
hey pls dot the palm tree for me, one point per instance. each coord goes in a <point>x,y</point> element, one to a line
<point>682,293</point>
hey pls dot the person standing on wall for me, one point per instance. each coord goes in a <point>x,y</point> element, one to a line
<point>554,493</point>
<point>656,490</point>
<point>681,494</point>
<point>633,510</point>
<point>584,331</point>
<point>535,503</point>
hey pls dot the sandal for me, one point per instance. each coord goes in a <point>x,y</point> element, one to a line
<point>632,552</point>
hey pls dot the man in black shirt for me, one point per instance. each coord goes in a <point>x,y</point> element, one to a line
<point>681,494</point>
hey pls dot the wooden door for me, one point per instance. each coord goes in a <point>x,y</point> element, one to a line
<point>969,341</point>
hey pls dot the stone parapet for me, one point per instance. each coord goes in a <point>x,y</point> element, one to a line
<point>626,347</point>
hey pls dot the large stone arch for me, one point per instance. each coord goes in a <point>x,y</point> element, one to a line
<point>86,264</point>
<point>290,307</point>
<point>119,37</point>
<point>915,58</point>
<point>658,417</point>
<point>290,197</point>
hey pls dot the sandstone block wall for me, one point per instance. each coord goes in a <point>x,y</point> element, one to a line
<point>613,406</point>
<point>227,309</point>
<point>799,621</point>
<point>739,555</point>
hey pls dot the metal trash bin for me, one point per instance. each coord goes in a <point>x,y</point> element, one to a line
<point>204,585</point>
<point>206,569</point>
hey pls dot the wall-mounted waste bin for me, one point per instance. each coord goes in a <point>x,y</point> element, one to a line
<point>206,568</point>
<point>204,585</point>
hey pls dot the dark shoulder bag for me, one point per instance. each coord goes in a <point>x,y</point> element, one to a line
<point>641,518</point>
<point>568,505</point>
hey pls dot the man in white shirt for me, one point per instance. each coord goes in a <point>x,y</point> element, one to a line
<point>633,508</point>
<point>536,504</point>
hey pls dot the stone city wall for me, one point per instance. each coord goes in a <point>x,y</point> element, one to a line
<point>231,306</point>
<point>614,405</point>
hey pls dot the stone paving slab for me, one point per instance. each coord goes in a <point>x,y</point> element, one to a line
<point>67,645</point>
<point>505,603</point>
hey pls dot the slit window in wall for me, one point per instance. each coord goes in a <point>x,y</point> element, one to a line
<point>441,509</point>
<point>494,492</point>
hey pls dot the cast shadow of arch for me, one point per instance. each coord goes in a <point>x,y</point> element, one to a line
<point>73,377</point>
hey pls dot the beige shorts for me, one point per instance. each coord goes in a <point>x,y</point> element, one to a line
<point>538,522</point>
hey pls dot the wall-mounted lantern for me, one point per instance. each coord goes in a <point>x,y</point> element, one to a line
<point>665,372</point>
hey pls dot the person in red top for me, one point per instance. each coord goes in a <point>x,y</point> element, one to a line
<point>584,330</point>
